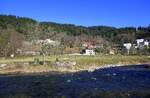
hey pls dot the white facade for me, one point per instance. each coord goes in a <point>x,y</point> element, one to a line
<point>146,43</point>
<point>48,41</point>
<point>142,42</point>
<point>127,45</point>
<point>89,52</point>
<point>139,41</point>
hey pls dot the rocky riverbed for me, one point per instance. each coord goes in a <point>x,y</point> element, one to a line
<point>110,82</point>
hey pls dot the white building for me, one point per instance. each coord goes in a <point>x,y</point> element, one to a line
<point>142,42</point>
<point>48,41</point>
<point>89,52</point>
<point>127,45</point>
<point>146,43</point>
<point>139,41</point>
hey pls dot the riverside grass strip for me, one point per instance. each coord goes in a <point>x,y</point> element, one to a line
<point>82,63</point>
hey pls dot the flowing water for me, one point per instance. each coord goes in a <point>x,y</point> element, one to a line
<point>125,81</point>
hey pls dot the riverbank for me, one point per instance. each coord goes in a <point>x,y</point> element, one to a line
<point>77,63</point>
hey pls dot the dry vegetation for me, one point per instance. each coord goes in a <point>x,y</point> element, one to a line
<point>22,65</point>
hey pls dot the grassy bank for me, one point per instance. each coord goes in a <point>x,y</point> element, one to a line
<point>20,64</point>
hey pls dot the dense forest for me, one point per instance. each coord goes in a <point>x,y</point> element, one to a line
<point>14,29</point>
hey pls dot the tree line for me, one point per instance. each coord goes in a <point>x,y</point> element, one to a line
<point>14,29</point>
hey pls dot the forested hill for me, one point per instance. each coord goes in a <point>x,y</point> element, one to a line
<point>30,29</point>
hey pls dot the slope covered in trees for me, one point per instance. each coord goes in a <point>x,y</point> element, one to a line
<point>14,28</point>
<point>27,27</point>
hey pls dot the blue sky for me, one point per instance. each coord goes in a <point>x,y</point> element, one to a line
<point>118,13</point>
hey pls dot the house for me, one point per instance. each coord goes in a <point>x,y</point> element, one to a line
<point>127,45</point>
<point>89,52</point>
<point>88,45</point>
<point>48,41</point>
<point>139,41</point>
<point>85,45</point>
<point>88,48</point>
<point>142,42</point>
<point>146,43</point>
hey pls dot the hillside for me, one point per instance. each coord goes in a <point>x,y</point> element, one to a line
<point>14,29</point>
<point>26,26</point>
